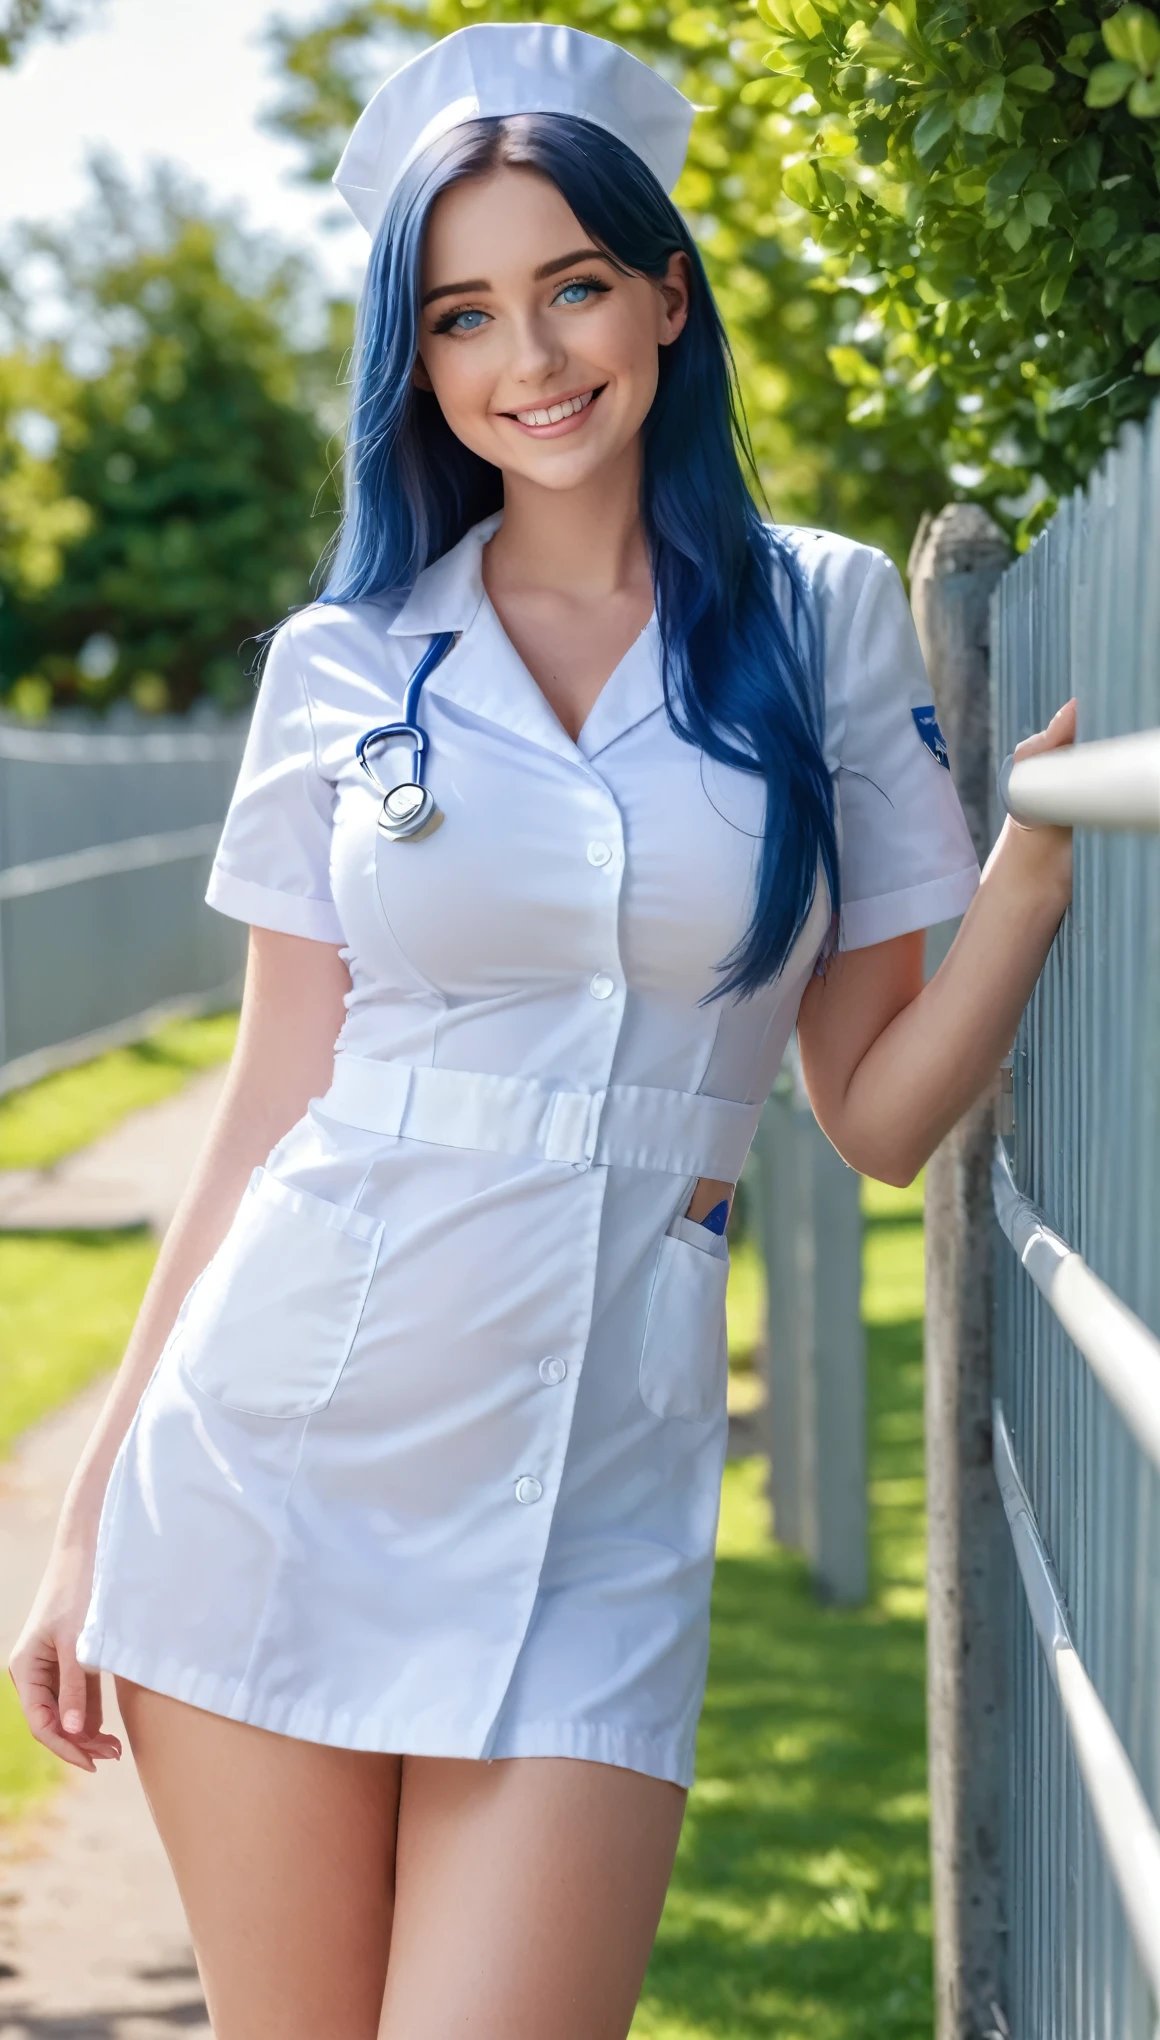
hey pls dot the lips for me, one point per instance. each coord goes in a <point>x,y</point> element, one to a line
<point>557,413</point>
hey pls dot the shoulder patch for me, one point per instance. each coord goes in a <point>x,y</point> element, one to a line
<point>926,723</point>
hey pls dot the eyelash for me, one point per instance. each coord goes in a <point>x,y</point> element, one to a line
<point>446,324</point>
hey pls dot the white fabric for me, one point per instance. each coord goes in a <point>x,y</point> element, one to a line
<point>446,1480</point>
<point>497,68</point>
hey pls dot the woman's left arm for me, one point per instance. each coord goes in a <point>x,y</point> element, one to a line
<point>890,1063</point>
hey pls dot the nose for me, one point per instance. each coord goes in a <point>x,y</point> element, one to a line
<point>538,350</point>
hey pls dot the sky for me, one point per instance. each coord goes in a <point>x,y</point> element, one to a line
<point>181,80</point>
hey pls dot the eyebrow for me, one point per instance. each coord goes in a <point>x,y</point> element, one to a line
<point>545,269</point>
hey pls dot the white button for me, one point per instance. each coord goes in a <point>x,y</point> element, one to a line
<point>599,853</point>
<point>553,1370</point>
<point>528,1489</point>
<point>602,987</point>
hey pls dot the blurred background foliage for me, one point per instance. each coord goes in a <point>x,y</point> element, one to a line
<point>20,20</point>
<point>164,489</point>
<point>933,226</point>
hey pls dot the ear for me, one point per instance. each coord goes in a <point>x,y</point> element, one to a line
<point>419,375</point>
<point>675,289</point>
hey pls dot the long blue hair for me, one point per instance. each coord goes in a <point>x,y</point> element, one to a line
<point>741,668</point>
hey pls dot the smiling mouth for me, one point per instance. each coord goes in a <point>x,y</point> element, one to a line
<point>555,414</point>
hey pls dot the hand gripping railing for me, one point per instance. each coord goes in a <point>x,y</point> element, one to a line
<point>1124,1356</point>
<point>1111,784</point>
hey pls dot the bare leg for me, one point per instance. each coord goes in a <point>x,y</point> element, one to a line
<point>528,1893</point>
<point>283,1853</point>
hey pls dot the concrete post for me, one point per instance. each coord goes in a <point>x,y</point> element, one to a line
<point>956,561</point>
<point>811,1229</point>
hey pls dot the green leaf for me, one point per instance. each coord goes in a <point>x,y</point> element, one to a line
<point>979,114</point>
<point>1017,231</point>
<point>1108,84</point>
<point>872,138</point>
<point>1079,395</point>
<point>1141,314</point>
<point>778,15</point>
<point>932,126</point>
<point>1144,97</point>
<point>800,184</point>
<point>1009,178</point>
<point>1081,166</point>
<point>1098,230</point>
<point>1037,206</point>
<point>1152,358</point>
<point>1133,37</point>
<point>1054,292</point>
<point>807,17</point>
<point>1032,77</point>
<point>852,368</point>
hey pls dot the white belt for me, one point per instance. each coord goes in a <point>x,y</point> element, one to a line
<point>632,1126</point>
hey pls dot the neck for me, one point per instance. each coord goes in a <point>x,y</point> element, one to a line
<point>586,542</point>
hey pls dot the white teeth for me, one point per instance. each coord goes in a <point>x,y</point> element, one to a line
<point>555,412</point>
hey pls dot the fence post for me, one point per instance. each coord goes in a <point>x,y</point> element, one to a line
<point>811,1228</point>
<point>956,561</point>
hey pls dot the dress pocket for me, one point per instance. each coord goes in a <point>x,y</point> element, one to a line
<point>268,1327</point>
<point>684,1358</point>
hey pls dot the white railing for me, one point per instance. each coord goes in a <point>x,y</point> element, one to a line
<point>1129,1833</point>
<point>1122,1353</point>
<point>1113,783</point>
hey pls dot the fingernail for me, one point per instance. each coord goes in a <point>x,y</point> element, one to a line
<point>73,1721</point>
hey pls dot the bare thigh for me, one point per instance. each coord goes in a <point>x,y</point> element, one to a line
<point>527,1897</point>
<point>283,1853</point>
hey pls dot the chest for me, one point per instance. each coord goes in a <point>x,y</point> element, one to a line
<point>571,650</point>
<point>636,864</point>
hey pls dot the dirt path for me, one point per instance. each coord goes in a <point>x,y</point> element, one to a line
<point>93,1943</point>
<point>133,1175</point>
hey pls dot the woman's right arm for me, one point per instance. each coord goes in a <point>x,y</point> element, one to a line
<point>292,1011</point>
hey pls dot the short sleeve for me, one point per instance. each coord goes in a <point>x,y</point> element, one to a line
<point>906,858</point>
<point>272,866</point>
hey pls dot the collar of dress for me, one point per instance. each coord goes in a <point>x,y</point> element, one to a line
<point>485,675</point>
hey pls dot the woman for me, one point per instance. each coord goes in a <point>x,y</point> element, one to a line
<point>407,1505</point>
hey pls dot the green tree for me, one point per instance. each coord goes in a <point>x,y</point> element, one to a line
<point>817,465</point>
<point>168,497</point>
<point>990,170</point>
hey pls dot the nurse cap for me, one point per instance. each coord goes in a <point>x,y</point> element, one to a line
<point>496,68</point>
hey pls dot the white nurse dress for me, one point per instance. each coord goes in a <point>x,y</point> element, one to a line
<point>431,1460</point>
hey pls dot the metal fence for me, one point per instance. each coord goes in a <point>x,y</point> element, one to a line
<point>106,838</point>
<point>1077,1375</point>
<point>809,1224</point>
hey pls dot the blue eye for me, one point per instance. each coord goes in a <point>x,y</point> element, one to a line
<point>468,322</point>
<point>574,293</point>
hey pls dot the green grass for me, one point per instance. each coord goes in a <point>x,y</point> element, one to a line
<point>67,1304</point>
<point>64,1112</point>
<point>800,1907</point>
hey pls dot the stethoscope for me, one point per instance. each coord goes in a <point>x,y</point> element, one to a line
<point>408,809</point>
